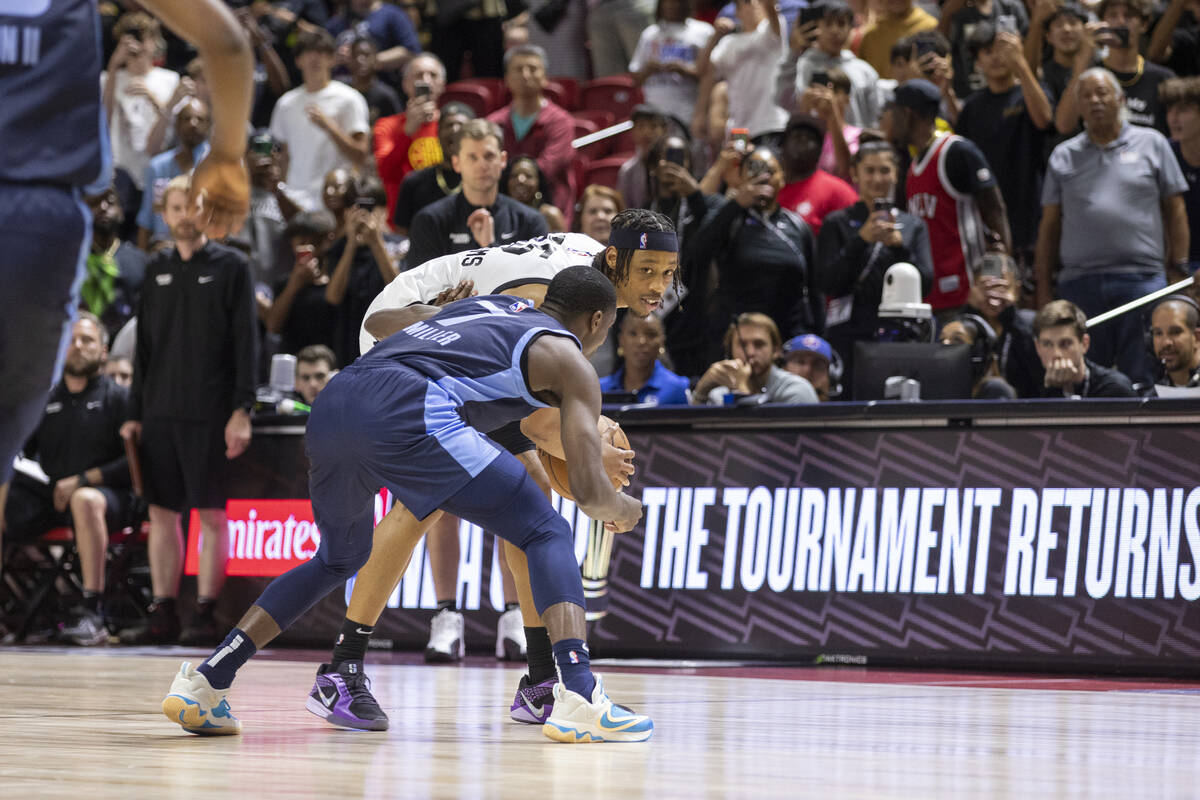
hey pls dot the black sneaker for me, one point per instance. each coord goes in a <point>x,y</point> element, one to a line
<point>202,631</point>
<point>83,627</point>
<point>162,628</point>
<point>343,697</point>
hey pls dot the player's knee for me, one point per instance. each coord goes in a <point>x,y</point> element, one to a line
<point>345,565</point>
<point>550,528</point>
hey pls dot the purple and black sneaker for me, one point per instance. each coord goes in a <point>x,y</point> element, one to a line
<point>343,697</point>
<point>533,703</point>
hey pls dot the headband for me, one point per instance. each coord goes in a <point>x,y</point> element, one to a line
<point>630,239</point>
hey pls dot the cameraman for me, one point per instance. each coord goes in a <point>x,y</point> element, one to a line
<point>995,287</point>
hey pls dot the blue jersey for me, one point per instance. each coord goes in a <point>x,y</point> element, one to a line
<point>51,122</point>
<point>473,351</point>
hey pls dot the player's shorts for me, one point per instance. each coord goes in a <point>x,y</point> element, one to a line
<point>45,233</point>
<point>511,439</point>
<point>30,509</point>
<point>184,464</point>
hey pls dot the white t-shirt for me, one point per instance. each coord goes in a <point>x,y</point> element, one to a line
<point>494,270</point>
<point>666,42</point>
<point>311,151</point>
<point>750,62</point>
<point>134,117</point>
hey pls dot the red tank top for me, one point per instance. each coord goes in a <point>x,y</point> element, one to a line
<point>955,229</point>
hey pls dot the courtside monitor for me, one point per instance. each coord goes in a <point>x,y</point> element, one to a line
<point>944,371</point>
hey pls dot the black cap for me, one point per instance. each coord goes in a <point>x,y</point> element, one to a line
<point>920,95</point>
<point>805,121</point>
<point>1073,9</point>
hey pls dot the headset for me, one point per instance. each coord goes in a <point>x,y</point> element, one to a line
<point>984,345</point>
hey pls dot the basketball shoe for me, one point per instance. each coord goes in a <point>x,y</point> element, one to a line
<point>199,708</point>
<point>574,719</point>
<point>510,636</point>
<point>447,630</point>
<point>533,702</point>
<point>343,698</point>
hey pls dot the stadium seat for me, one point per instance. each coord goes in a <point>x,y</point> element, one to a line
<point>478,97</point>
<point>559,95</point>
<point>570,92</point>
<point>604,170</point>
<point>618,94</point>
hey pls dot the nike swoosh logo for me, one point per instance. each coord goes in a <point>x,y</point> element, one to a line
<point>364,633</point>
<point>508,235</point>
<point>205,279</point>
<point>328,700</point>
<point>608,722</point>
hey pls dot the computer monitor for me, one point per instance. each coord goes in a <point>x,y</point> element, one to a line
<point>944,370</point>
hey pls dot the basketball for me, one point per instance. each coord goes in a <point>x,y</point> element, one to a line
<point>556,468</point>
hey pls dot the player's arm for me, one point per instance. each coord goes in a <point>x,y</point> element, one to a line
<point>383,324</point>
<point>556,367</point>
<point>229,67</point>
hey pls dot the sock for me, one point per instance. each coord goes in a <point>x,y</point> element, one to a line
<point>91,601</point>
<point>221,667</point>
<point>447,605</point>
<point>539,655</point>
<point>574,666</point>
<point>510,606</point>
<point>351,642</point>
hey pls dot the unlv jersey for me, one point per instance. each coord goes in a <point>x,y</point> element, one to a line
<point>495,270</point>
<point>955,229</point>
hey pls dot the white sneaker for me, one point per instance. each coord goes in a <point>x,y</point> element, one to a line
<point>197,707</point>
<point>447,640</point>
<point>575,720</point>
<point>510,636</point>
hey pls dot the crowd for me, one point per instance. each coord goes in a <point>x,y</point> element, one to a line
<point>1035,161</point>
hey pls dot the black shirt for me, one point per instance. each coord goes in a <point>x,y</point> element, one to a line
<point>365,283</point>
<point>311,319</point>
<point>1185,47</point>
<point>1005,15</point>
<point>1016,351</point>
<point>422,188</point>
<point>194,358</point>
<point>382,100</point>
<point>82,431</point>
<point>441,228</point>
<point>1141,96</point>
<point>1191,199</point>
<point>1000,125</point>
<point>1100,382</point>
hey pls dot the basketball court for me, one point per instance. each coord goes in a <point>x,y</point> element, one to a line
<point>87,724</point>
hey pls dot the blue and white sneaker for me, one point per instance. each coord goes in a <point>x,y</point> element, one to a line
<point>575,720</point>
<point>197,707</point>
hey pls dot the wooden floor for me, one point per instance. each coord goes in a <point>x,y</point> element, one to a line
<point>87,725</point>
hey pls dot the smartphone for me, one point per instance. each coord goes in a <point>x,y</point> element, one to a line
<point>422,90</point>
<point>756,168</point>
<point>1119,33</point>
<point>883,204</point>
<point>262,145</point>
<point>992,265</point>
<point>811,13</point>
<point>365,201</point>
<point>740,138</point>
<point>305,252</point>
<point>675,155</point>
<point>819,79</point>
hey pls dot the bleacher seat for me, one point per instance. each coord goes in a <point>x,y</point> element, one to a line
<point>570,92</point>
<point>604,170</point>
<point>618,94</point>
<point>477,96</point>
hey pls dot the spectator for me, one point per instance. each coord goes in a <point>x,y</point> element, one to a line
<point>959,22</point>
<point>675,192</point>
<point>363,265</point>
<point>974,331</point>
<point>322,125</point>
<point>193,388</point>
<point>830,102</point>
<point>426,186</point>
<point>899,19</point>
<point>135,95</point>
<point>649,125</point>
<point>995,289</point>
<point>532,125</point>
<point>560,28</point>
<point>640,346</point>
<point>763,252</point>
<point>337,195</point>
<point>1008,120</point>
<point>597,207</point>
<point>1113,215</point>
<point>1060,329</point>
<point>925,55</point>
<point>1176,39</point>
<point>478,216</point>
<point>1181,96</point>
<point>115,268</point>
<point>749,370</point>
<point>810,192</point>
<point>315,365</point>
<point>192,126</point>
<point>301,314</point>
<point>828,52</point>
<point>388,26</point>
<point>1060,25</point>
<point>120,369</point>
<point>1125,22</point>
<point>614,28</point>
<point>665,60</point>
<point>1175,336</point>
<point>524,182</point>
<point>78,445</point>
<point>811,357</point>
<point>476,28</point>
<point>410,140</point>
<point>748,59</point>
<point>363,58</point>
<point>951,187</point>
<point>858,244</point>
<point>271,206</point>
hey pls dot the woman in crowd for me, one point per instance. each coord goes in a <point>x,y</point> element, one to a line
<point>524,182</point>
<point>640,345</point>
<point>597,206</point>
<point>973,330</point>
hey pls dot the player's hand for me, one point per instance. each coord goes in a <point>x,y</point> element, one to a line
<point>1062,374</point>
<point>221,192</point>
<point>482,226</point>
<point>131,432</point>
<point>463,289</point>
<point>618,462</point>
<point>631,514</point>
<point>63,489</point>
<point>237,434</point>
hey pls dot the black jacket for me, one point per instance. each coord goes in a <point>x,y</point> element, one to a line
<point>196,333</point>
<point>82,431</point>
<point>441,228</point>
<point>1100,382</point>
<point>1016,352</point>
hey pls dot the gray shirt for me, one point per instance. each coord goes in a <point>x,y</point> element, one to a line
<point>1111,198</point>
<point>796,74</point>
<point>784,387</point>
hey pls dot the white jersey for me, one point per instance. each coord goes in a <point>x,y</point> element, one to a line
<point>495,270</point>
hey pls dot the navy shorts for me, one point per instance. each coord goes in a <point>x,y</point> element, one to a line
<point>45,233</point>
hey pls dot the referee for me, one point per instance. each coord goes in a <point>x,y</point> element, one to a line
<point>193,388</point>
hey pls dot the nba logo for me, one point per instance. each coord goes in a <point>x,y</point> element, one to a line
<point>571,653</point>
<point>642,242</point>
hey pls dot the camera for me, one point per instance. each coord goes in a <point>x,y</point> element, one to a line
<point>756,168</point>
<point>1115,33</point>
<point>819,79</point>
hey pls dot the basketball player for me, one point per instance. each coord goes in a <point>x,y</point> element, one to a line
<point>642,262</point>
<point>55,149</point>
<point>408,416</point>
